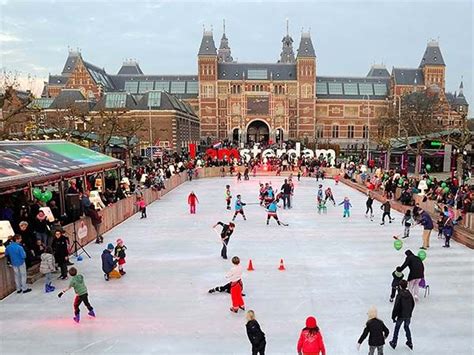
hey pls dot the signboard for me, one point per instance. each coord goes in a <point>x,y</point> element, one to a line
<point>82,231</point>
<point>48,213</point>
<point>6,230</point>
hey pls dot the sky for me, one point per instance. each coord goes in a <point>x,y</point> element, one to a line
<point>164,36</point>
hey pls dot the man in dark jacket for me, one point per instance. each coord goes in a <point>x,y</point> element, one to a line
<point>286,190</point>
<point>427,222</point>
<point>60,247</point>
<point>386,212</point>
<point>255,334</point>
<point>227,230</point>
<point>108,261</point>
<point>417,272</point>
<point>401,314</point>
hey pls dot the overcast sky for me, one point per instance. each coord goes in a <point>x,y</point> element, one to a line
<point>349,36</point>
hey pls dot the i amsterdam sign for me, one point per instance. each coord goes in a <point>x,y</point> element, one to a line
<point>246,154</point>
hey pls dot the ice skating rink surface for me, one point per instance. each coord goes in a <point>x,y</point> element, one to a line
<point>336,269</point>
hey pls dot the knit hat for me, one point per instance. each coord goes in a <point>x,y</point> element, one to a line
<point>110,246</point>
<point>119,241</point>
<point>311,322</point>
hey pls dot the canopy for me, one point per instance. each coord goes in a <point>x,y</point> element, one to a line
<point>41,161</point>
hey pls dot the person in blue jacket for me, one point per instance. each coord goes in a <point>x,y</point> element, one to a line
<point>272,211</point>
<point>427,222</point>
<point>239,208</point>
<point>347,207</point>
<point>16,256</point>
<point>108,261</point>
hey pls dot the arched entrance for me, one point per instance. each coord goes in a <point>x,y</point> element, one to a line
<point>258,132</point>
<point>235,135</point>
<point>279,136</point>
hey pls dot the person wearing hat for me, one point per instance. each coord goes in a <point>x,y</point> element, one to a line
<point>108,261</point>
<point>377,332</point>
<point>311,341</point>
<point>120,255</point>
<point>227,230</point>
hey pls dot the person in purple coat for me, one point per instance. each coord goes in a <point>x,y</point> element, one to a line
<point>347,207</point>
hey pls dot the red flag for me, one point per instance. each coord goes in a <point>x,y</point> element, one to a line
<point>192,150</point>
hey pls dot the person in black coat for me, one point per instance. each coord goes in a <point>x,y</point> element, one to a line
<point>108,261</point>
<point>377,332</point>
<point>417,272</point>
<point>401,314</point>
<point>60,247</point>
<point>255,334</point>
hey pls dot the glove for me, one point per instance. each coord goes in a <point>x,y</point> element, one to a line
<point>394,320</point>
<point>358,346</point>
<point>60,294</point>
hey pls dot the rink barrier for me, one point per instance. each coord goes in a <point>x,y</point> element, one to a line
<point>463,233</point>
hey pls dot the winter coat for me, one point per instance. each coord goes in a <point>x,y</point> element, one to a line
<point>414,263</point>
<point>47,263</point>
<point>120,251</point>
<point>403,306</point>
<point>255,334</point>
<point>235,273</point>
<point>377,332</point>
<point>108,262</point>
<point>40,225</point>
<point>426,221</point>
<point>310,344</point>
<point>16,254</point>
<point>192,199</point>
<point>60,248</point>
<point>286,188</point>
<point>239,205</point>
<point>386,207</point>
<point>226,231</point>
<point>272,207</point>
<point>346,203</point>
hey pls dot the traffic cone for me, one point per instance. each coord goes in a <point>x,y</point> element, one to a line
<point>282,265</point>
<point>250,267</point>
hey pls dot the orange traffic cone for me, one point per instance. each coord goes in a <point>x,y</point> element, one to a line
<point>282,265</point>
<point>250,267</point>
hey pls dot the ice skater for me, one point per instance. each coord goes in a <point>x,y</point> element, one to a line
<point>406,222</point>
<point>142,206</point>
<point>377,332</point>
<point>269,194</point>
<point>329,196</point>
<point>239,208</point>
<point>47,267</point>
<point>319,195</point>
<point>261,193</point>
<point>397,276</point>
<point>386,212</point>
<point>402,313</point>
<point>120,255</point>
<point>77,283</point>
<point>255,334</point>
<point>347,207</point>
<point>272,213</point>
<point>246,173</point>
<point>222,289</point>
<point>239,176</point>
<point>227,230</point>
<point>236,285</point>
<point>108,261</point>
<point>192,200</point>
<point>368,205</point>
<point>228,196</point>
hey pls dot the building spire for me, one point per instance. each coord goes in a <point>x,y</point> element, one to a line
<point>287,54</point>
<point>224,53</point>
<point>223,27</point>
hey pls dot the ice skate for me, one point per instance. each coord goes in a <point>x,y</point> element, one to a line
<point>91,313</point>
<point>77,318</point>
<point>410,345</point>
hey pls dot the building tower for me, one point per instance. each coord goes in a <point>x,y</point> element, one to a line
<point>460,101</point>
<point>224,54</point>
<point>306,76</point>
<point>433,66</point>
<point>207,77</point>
<point>287,54</point>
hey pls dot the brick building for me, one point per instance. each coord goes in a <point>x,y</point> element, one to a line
<point>262,102</point>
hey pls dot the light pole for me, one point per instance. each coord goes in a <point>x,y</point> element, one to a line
<point>368,127</point>
<point>150,130</point>
<point>399,99</point>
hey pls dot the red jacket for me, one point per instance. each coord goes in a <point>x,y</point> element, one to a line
<point>311,344</point>
<point>192,199</point>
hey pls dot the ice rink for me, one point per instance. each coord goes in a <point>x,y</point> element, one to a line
<point>336,269</point>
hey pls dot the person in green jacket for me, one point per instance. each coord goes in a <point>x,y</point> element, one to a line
<point>77,283</point>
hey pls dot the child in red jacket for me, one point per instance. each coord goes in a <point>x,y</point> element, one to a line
<point>142,206</point>
<point>192,199</point>
<point>311,340</point>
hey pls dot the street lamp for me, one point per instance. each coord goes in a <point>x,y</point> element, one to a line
<point>399,99</point>
<point>149,129</point>
<point>368,128</point>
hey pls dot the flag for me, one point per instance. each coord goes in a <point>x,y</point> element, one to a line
<point>217,145</point>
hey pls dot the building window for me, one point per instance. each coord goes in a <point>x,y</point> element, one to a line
<point>207,91</point>
<point>350,131</point>
<point>279,89</point>
<point>235,89</point>
<point>319,132</point>
<point>365,132</point>
<point>335,131</point>
<point>439,121</point>
<point>306,91</point>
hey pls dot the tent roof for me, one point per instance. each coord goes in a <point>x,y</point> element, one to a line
<point>41,161</point>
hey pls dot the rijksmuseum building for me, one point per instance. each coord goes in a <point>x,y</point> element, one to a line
<point>283,100</point>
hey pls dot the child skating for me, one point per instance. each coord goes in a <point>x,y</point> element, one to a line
<point>397,277</point>
<point>329,196</point>
<point>192,200</point>
<point>406,222</point>
<point>236,285</point>
<point>228,196</point>
<point>120,255</point>
<point>347,207</point>
<point>272,213</point>
<point>47,267</point>
<point>386,212</point>
<point>377,332</point>
<point>77,283</point>
<point>142,206</point>
<point>319,195</point>
<point>239,208</point>
<point>239,176</point>
<point>368,205</point>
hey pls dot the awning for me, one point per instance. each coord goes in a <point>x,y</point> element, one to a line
<point>41,161</point>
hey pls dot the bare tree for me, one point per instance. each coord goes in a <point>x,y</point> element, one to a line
<point>386,133</point>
